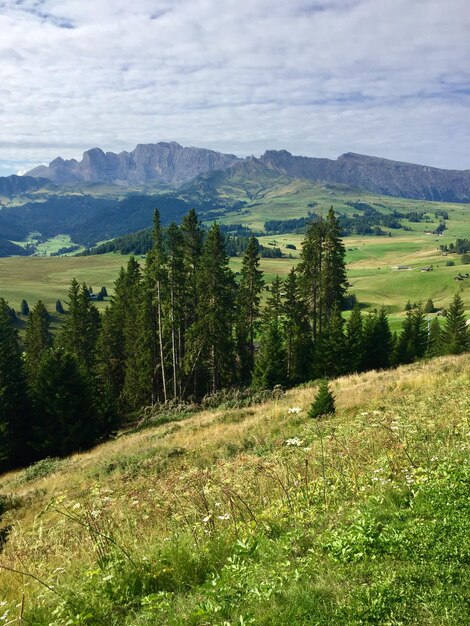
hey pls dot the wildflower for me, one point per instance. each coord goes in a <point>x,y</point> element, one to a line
<point>207,518</point>
<point>293,441</point>
<point>225,516</point>
<point>294,409</point>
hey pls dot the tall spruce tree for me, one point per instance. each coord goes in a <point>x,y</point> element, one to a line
<point>193,237</point>
<point>434,339</point>
<point>330,359</point>
<point>37,338</point>
<point>334,282</point>
<point>298,343</point>
<point>65,418</point>
<point>177,296</point>
<point>311,273</point>
<point>248,310</point>
<point>156,281</point>
<point>211,337</point>
<point>354,340</point>
<point>80,330</point>
<point>455,338</point>
<point>271,360</point>
<point>15,413</point>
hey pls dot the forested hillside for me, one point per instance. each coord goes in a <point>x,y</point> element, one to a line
<point>184,327</point>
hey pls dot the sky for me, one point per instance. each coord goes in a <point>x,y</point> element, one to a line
<point>388,78</point>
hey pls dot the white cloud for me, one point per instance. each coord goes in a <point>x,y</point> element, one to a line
<point>384,77</point>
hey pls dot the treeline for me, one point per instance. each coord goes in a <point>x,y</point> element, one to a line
<point>182,327</point>
<point>236,242</point>
<point>461,246</point>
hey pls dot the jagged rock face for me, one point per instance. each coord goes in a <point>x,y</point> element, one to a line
<point>15,185</point>
<point>392,178</point>
<point>163,162</point>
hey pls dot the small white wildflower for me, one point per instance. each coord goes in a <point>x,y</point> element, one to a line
<point>293,441</point>
<point>206,519</point>
<point>95,513</point>
<point>76,505</point>
<point>294,409</point>
<point>225,516</point>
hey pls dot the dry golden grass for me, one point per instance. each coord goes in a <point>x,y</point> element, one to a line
<point>146,485</point>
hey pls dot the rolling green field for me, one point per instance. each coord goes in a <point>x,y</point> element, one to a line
<point>370,259</point>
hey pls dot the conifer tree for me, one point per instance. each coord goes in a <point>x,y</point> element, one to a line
<point>330,349</point>
<point>333,272</point>
<point>271,360</point>
<point>296,331</point>
<point>59,307</point>
<point>177,295</point>
<point>429,307</point>
<point>354,340</point>
<point>434,339</point>
<point>15,411</point>
<point>378,341</point>
<point>311,272</point>
<point>65,420</point>
<point>211,337</point>
<point>404,348</point>
<point>274,303</point>
<point>455,337</point>
<point>193,237</point>
<point>38,337</point>
<point>248,309</point>
<point>24,308</point>
<point>80,329</point>
<point>324,402</point>
<point>156,281</point>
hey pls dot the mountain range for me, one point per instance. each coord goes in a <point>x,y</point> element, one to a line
<point>172,165</point>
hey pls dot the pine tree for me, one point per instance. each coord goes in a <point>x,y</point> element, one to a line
<point>156,281</point>
<point>377,341</point>
<point>38,337</point>
<point>420,332</point>
<point>330,349</point>
<point>271,360</point>
<point>296,331</point>
<point>404,349</point>
<point>15,410</point>
<point>193,237</point>
<point>24,308</point>
<point>354,340</point>
<point>429,306</point>
<point>65,420</point>
<point>80,329</point>
<point>455,337</point>
<point>248,310</point>
<point>211,337</point>
<point>177,296</point>
<point>324,402</point>
<point>311,273</point>
<point>434,339</point>
<point>334,282</point>
<point>59,307</point>
<point>274,304</point>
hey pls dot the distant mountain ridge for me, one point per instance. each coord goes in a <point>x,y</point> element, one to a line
<point>168,163</point>
<point>174,165</point>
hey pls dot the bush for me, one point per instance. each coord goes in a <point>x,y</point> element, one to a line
<point>465,259</point>
<point>324,403</point>
<point>450,263</point>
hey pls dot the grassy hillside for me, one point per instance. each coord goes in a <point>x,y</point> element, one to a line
<point>257,515</point>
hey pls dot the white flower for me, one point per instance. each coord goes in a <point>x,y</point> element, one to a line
<point>207,518</point>
<point>294,409</point>
<point>293,441</point>
<point>225,516</point>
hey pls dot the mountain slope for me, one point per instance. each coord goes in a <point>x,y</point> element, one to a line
<point>392,178</point>
<point>257,515</point>
<point>162,162</point>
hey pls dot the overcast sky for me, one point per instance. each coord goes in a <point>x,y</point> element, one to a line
<point>389,78</point>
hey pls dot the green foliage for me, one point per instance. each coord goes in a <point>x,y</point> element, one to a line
<point>429,306</point>
<point>455,337</point>
<point>324,402</point>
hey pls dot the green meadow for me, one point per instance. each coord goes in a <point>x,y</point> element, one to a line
<point>370,259</point>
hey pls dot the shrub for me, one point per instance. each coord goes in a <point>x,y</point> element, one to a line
<point>450,263</point>
<point>324,403</point>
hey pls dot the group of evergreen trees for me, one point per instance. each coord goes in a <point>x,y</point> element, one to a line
<point>183,326</point>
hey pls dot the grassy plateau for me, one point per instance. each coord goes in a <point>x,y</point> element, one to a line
<point>256,514</point>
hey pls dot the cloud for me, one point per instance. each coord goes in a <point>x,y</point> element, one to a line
<point>384,77</point>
